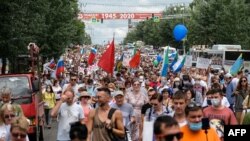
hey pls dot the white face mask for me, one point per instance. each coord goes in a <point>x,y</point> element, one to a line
<point>215,102</point>
<point>197,81</point>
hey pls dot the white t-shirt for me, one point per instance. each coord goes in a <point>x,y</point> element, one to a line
<point>67,115</point>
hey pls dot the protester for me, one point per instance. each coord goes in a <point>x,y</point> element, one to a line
<point>5,96</point>
<point>126,108</point>
<point>229,90</point>
<point>8,113</point>
<point>167,101</point>
<point>49,99</point>
<point>179,103</point>
<point>72,85</point>
<point>99,125</point>
<point>167,128</point>
<point>240,94</point>
<point>57,89</point>
<point>78,132</point>
<point>193,131</point>
<point>218,114</point>
<point>67,111</point>
<point>84,102</point>
<point>137,100</point>
<point>19,129</point>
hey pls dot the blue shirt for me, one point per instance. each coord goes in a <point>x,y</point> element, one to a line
<point>229,92</point>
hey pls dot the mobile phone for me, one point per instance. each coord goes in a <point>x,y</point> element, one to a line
<point>205,123</point>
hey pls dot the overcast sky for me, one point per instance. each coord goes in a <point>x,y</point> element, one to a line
<point>102,33</point>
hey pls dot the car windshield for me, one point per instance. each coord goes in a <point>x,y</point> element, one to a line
<point>20,88</point>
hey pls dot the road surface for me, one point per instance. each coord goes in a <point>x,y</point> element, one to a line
<point>50,134</point>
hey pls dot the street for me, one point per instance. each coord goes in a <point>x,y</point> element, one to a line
<point>50,134</point>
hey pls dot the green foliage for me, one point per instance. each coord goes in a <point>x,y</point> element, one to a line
<point>210,22</point>
<point>51,24</point>
<point>246,119</point>
<point>219,21</point>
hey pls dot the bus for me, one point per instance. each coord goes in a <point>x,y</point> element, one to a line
<point>231,56</point>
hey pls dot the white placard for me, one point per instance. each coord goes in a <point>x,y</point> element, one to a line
<point>148,130</point>
<point>202,63</point>
<point>188,62</point>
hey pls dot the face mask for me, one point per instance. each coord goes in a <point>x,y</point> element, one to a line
<point>215,102</point>
<point>209,102</point>
<point>197,82</point>
<point>195,126</point>
<point>177,83</point>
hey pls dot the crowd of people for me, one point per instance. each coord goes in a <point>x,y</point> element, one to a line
<point>139,104</point>
<point>13,124</point>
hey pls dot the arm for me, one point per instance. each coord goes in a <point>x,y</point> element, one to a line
<point>90,123</point>
<point>245,102</point>
<point>81,115</point>
<point>141,127</point>
<point>55,110</point>
<point>119,130</point>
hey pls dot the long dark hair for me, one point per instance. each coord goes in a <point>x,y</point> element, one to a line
<point>239,86</point>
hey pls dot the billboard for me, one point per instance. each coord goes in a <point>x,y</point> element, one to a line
<point>118,16</point>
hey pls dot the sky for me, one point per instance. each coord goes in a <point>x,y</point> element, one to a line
<point>101,33</point>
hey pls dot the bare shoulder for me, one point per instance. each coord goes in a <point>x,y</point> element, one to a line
<point>92,113</point>
<point>118,114</point>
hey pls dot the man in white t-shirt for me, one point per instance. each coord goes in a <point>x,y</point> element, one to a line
<point>68,112</point>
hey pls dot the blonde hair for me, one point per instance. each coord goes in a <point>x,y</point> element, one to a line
<point>10,107</point>
<point>21,123</point>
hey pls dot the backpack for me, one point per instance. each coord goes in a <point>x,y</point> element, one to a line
<point>114,137</point>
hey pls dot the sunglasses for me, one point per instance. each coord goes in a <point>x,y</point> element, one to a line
<point>122,89</point>
<point>9,116</point>
<point>16,135</point>
<point>86,97</point>
<point>137,84</point>
<point>171,136</point>
<point>192,105</point>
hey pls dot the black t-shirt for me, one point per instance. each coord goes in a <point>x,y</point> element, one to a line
<point>145,107</point>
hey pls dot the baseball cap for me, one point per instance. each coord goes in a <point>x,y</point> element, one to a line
<point>177,79</point>
<point>228,75</point>
<point>84,93</point>
<point>150,88</point>
<point>141,78</point>
<point>118,93</point>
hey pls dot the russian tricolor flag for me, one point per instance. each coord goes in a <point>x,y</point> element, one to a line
<point>92,56</point>
<point>52,63</point>
<point>59,67</point>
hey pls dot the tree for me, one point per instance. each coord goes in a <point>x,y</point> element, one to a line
<point>52,25</point>
<point>219,21</point>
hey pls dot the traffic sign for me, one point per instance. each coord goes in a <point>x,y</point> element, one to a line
<point>93,20</point>
<point>156,19</point>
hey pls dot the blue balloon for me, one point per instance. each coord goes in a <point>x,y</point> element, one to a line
<point>159,58</point>
<point>180,31</point>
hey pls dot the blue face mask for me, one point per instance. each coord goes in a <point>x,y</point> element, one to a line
<point>195,126</point>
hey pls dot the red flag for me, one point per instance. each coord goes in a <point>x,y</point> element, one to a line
<point>92,56</point>
<point>107,60</point>
<point>135,61</point>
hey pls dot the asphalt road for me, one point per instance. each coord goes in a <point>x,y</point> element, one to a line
<point>50,134</point>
